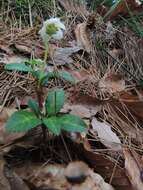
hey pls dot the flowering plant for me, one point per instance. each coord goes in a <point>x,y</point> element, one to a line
<point>51,119</point>
<point>52,28</point>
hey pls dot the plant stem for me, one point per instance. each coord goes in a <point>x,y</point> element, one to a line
<point>46,53</point>
<point>39,91</point>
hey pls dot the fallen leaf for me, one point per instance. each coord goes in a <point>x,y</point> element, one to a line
<point>4,184</point>
<point>85,32</point>
<point>112,83</point>
<point>106,135</point>
<point>15,181</point>
<point>5,137</point>
<point>79,75</point>
<point>133,169</point>
<point>6,113</point>
<point>105,166</point>
<point>83,37</point>
<point>27,48</point>
<point>134,105</point>
<point>61,56</point>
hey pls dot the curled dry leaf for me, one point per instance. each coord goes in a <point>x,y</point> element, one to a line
<point>82,37</point>
<point>106,135</point>
<point>112,83</point>
<point>85,32</point>
<point>133,166</point>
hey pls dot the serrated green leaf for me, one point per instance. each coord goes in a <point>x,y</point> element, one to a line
<point>22,121</point>
<point>18,67</point>
<point>72,123</point>
<point>63,75</point>
<point>53,124</point>
<point>41,76</point>
<point>33,105</point>
<point>55,101</point>
<point>66,76</point>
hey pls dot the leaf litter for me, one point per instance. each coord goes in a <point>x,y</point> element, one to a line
<point>108,67</point>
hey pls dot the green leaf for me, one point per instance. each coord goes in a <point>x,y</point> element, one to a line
<point>72,123</point>
<point>62,74</point>
<point>55,101</point>
<point>53,124</point>
<point>66,76</point>
<point>18,67</point>
<point>41,76</point>
<point>33,105</point>
<point>22,121</point>
<point>52,74</point>
<point>36,62</point>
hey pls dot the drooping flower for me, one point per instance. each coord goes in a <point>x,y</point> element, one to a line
<point>52,28</point>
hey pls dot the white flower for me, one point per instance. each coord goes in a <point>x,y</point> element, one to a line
<point>52,28</point>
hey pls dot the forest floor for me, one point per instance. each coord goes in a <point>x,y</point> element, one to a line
<point>102,50</point>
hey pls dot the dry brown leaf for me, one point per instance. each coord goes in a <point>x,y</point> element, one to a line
<point>83,37</point>
<point>82,110</point>
<point>78,75</point>
<point>133,168</point>
<point>15,181</point>
<point>5,137</point>
<point>106,135</point>
<point>6,113</point>
<point>105,166</point>
<point>112,83</point>
<point>134,103</point>
<point>61,56</point>
<point>4,184</point>
<point>85,32</point>
<point>7,56</point>
<point>27,48</point>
